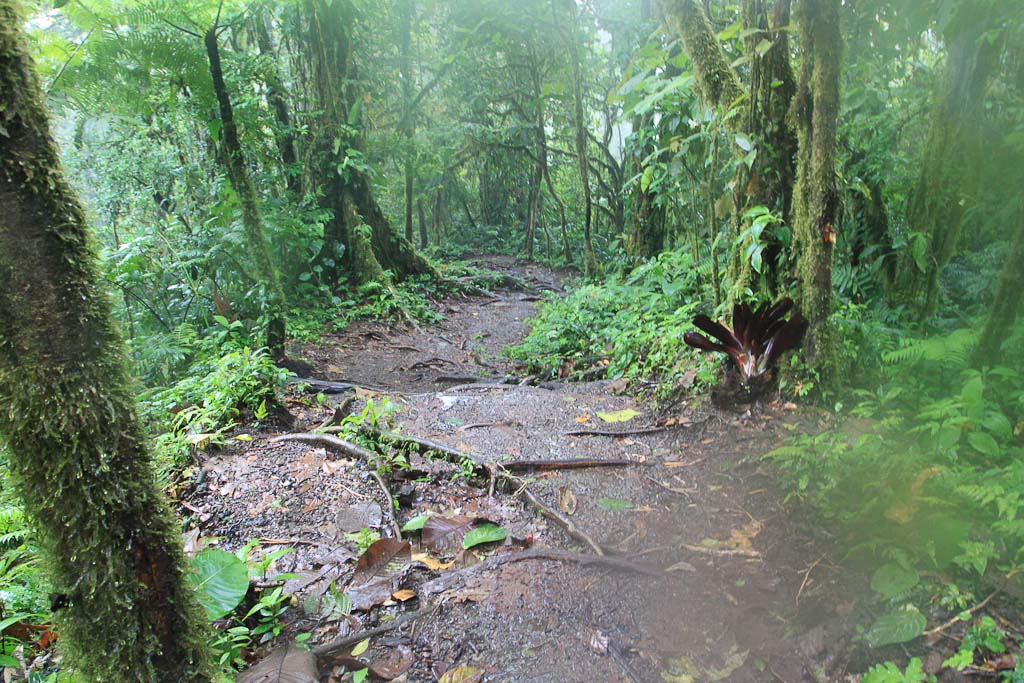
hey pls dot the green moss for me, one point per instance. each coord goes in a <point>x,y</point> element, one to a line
<point>108,537</point>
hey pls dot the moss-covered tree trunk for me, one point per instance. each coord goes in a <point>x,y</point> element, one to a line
<point>1006,305</point>
<point>106,531</point>
<point>238,175</point>
<point>944,191</point>
<point>337,173</point>
<point>814,111</point>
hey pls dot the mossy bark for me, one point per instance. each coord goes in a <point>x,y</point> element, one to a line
<point>716,81</point>
<point>238,175</point>
<point>814,111</point>
<point>1006,305</point>
<point>109,540</point>
<point>338,147</point>
<point>944,191</point>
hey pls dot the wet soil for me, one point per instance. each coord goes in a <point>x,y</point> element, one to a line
<point>742,593</point>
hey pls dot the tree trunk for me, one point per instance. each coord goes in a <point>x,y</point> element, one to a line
<point>814,112</point>
<point>408,124</point>
<point>238,174</point>
<point>1006,304</point>
<point>279,103</point>
<point>109,540</point>
<point>342,185</point>
<point>423,223</point>
<point>589,258</point>
<point>716,81</point>
<point>944,192</point>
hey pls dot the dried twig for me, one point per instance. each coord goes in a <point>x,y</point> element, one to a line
<point>728,552</point>
<point>561,520</point>
<point>942,627</point>
<point>807,576</point>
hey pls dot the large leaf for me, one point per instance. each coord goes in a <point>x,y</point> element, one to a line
<point>896,627</point>
<point>286,664</point>
<point>386,557</point>
<point>377,573</point>
<point>221,581</point>
<point>485,533</point>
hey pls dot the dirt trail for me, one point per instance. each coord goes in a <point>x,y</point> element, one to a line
<point>746,596</point>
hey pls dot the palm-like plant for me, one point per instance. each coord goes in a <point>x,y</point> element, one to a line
<point>757,338</point>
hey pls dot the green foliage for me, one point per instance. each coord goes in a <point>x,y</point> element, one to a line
<point>199,409</point>
<point>890,673</point>
<point>984,637</point>
<point>630,326</point>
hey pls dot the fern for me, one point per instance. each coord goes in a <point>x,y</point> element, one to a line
<point>952,349</point>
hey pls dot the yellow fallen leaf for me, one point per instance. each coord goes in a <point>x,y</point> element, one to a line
<point>585,417</point>
<point>619,415</point>
<point>431,562</point>
<point>462,674</point>
<point>361,647</point>
<point>244,437</point>
<point>404,594</point>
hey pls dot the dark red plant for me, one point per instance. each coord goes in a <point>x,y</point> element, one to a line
<point>757,338</point>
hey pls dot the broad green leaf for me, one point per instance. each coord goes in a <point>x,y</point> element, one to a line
<point>619,415</point>
<point>896,627</point>
<point>984,444</point>
<point>485,533</point>
<point>891,580</point>
<point>416,523</point>
<point>220,579</point>
<point>645,179</point>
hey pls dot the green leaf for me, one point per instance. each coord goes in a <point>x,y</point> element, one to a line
<point>615,504</point>
<point>485,533</point>
<point>891,580</point>
<point>221,581</point>
<point>645,179</point>
<point>7,660</point>
<point>416,523</point>
<point>762,47</point>
<point>744,142</point>
<point>984,444</point>
<point>896,627</point>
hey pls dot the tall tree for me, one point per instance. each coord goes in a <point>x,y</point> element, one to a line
<point>358,232</point>
<point>582,136</point>
<point>109,538</point>
<point>955,142</point>
<point>814,112</point>
<point>238,174</point>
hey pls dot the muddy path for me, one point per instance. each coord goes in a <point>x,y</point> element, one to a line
<point>741,592</point>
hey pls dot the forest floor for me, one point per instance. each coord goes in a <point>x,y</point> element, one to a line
<point>704,575</point>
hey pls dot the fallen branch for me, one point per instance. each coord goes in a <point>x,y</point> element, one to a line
<point>623,432</point>
<point>329,387</point>
<point>942,627</point>
<point>561,520</point>
<point>483,466</point>
<point>331,443</point>
<point>339,644</point>
<point>728,552</point>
